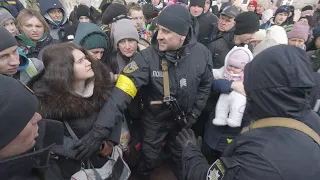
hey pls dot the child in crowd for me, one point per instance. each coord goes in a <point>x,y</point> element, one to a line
<point>230,107</point>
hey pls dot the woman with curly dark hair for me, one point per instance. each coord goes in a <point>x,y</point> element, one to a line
<point>73,88</point>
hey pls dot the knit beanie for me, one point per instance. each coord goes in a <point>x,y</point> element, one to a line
<point>283,9</point>
<point>199,3</point>
<point>278,34</point>
<point>264,3</point>
<point>260,35</point>
<point>149,11</point>
<point>5,15</point>
<point>309,19</point>
<point>83,10</point>
<point>7,40</point>
<point>176,18</point>
<point>94,41</point>
<point>253,3</point>
<point>238,57</point>
<point>299,30</point>
<point>70,32</point>
<point>124,29</point>
<point>247,22</point>
<point>112,12</point>
<point>309,7</point>
<point>18,106</point>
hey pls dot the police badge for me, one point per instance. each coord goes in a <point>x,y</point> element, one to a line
<point>216,171</point>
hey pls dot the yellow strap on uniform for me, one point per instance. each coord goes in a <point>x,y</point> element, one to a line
<point>166,86</point>
<point>125,84</point>
<point>284,122</point>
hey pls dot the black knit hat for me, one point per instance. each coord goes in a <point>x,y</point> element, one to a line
<point>283,9</point>
<point>83,10</point>
<point>246,23</point>
<point>18,105</point>
<point>149,11</point>
<point>113,11</point>
<point>199,3</point>
<point>70,32</point>
<point>306,8</point>
<point>7,40</point>
<point>176,18</point>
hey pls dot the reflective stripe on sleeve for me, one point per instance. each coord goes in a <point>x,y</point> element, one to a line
<point>125,84</point>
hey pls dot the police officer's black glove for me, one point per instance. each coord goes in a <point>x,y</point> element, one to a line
<point>191,120</point>
<point>87,146</point>
<point>186,137</point>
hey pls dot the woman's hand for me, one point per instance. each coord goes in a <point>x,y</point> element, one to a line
<point>238,87</point>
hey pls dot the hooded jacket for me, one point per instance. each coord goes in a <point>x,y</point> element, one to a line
<point>80,112</point>
<point>274,89</point>
<point>190,83</point>
<point>219,73</point>
<point>57,28</point>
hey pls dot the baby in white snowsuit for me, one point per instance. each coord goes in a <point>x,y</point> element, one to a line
<point>230,107</point>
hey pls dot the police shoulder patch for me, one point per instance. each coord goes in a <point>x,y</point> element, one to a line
<point>216,171</point>
<point>131,67</point>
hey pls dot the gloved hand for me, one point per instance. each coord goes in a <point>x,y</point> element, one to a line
<point>66,150</point>
<point>87,146</point>
<point>186,137</point>
<point>221,85</point>
<point>191,119</point>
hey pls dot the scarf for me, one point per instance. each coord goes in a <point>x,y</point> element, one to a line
<point>29,42</point>
<point>88,90</point>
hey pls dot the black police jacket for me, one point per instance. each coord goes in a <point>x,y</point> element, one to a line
<point>190,76</point>
<point>274,89</point>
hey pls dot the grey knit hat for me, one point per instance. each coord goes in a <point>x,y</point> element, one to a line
<point>7,40</point>
<point>124,29</point>
<point>5,16</point>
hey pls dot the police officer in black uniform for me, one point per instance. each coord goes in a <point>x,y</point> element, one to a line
<point>189,67</point>
<point>26,139</point>
<point>283,140</point>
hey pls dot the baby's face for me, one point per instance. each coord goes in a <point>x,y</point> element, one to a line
<point>234,70</point>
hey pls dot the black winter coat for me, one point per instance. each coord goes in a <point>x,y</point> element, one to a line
<point>81,113</point>
<point>221,44</point>
<point>274,89</point>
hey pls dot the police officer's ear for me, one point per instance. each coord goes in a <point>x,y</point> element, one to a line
<point>183,38</point>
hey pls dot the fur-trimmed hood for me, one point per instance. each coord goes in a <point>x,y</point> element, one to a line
<point>68,106</point>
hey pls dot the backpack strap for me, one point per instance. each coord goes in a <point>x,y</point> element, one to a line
<point>284,122</point>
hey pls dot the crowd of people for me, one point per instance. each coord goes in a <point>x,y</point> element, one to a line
<point>115,92</point>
